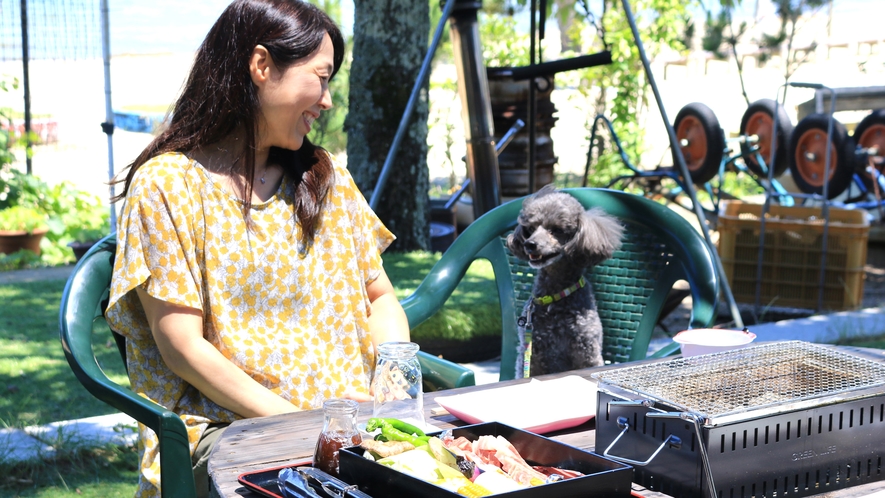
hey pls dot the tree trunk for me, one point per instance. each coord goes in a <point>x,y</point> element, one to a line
<point>390,39</point>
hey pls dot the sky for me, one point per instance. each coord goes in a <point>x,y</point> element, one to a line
<point>156,26</point>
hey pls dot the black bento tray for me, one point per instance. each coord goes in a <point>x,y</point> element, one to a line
<point>602,477</point>
<point>266,481</point>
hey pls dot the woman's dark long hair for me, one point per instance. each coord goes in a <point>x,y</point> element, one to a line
<point>219,97</point>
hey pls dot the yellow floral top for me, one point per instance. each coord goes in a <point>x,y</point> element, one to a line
<point>295,318</point>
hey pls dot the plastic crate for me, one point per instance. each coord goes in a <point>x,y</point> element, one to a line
<point>791,261</point>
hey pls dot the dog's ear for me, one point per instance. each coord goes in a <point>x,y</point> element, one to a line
<point>598,237</point>
<point>516,242</point>
<point>546,189</point>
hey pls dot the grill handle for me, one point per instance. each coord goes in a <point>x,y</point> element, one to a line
<point>671,441</point>
<point>696,421</point>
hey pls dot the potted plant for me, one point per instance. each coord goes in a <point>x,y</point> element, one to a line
<point>21,228</point>
<point>84,239</point>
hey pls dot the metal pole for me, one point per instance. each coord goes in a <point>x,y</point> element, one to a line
<point>423,74</point>
<point>476,107</point>
<point>683,168</point>
<point>532,105</point>
<point>108,125</point>
<point>767,204</point>
<point>826,206</point>
<point>26,83</point>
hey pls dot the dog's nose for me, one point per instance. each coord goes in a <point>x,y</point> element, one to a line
<point>531,245</point>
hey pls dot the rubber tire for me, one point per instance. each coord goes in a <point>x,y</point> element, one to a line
<point>842,147</point>
<point>705,168</point>
<point>873,119</point>
<point>784,132</point>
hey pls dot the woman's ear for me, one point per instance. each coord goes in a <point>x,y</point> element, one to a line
<point>260,65</point>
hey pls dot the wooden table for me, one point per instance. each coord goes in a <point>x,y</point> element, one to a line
<point>265,442</point>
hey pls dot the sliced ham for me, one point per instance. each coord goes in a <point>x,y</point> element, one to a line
<point>498,451</point>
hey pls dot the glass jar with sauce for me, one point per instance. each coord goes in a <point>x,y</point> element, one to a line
<point>339,431</point>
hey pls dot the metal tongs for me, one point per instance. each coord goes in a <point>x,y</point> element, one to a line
<point>310,482</point>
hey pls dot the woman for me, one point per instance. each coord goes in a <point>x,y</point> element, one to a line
<point>248,277</point>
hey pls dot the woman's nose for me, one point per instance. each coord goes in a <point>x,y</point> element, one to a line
<point>326,100</point>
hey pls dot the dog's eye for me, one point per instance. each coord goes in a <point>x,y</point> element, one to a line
<point>562,234</point>
<point>527,231</point>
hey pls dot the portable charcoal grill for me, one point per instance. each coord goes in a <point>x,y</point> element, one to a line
<point>776,419</point>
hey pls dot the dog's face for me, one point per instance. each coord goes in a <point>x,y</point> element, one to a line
<point>546,224</point>
<point>553,226</point>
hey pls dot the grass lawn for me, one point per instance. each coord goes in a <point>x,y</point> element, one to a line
<point>875,342</point>
<point>472,310</point>
<point>37,383</point>
<point>39,387</point>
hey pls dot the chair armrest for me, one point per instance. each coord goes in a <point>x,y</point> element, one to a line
<point>81,304</point>
<point>439,374</point>
<point>175,455</point>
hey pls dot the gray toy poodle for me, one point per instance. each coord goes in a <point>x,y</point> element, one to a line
<point>561,239</point>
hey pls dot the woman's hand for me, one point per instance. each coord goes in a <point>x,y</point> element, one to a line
<point>387,321</point>
<point>358,396</point>
<point>178,332</point>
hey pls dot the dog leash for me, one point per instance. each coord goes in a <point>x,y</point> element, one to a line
<point>524,326</point>
<point>524,349</point>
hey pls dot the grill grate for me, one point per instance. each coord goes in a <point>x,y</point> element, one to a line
<point>746,379</point>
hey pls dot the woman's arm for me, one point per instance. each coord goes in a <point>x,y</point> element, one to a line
<point>388,321</point>
<point>178,332</point>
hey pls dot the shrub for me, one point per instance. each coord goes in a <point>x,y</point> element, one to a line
<point>22,219</point>
<point>71,215</point>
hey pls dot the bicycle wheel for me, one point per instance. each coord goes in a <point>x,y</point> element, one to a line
<point>701,140</point>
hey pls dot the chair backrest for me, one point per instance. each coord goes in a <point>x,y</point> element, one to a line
<point>631,288</point>
<point>83,303</point>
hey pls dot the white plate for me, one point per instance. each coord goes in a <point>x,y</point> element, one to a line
<point>536,406</point>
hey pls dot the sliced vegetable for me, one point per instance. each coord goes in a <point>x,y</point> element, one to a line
<point>393,434</point>
<point>405,427</point>
<point>497,482</point>
<point>472,490</point>
<point>381,449</point>
<point>466,467</point>
<point>390,431</point>
<point>439,452</point>
<point>419,463</point>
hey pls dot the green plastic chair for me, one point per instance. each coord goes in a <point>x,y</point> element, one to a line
<point>82,309</point>
<point>631,288</point>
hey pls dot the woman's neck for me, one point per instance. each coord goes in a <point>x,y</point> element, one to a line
<point>225,161</point>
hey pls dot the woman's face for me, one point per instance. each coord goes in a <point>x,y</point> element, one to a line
<point>292,99</point>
